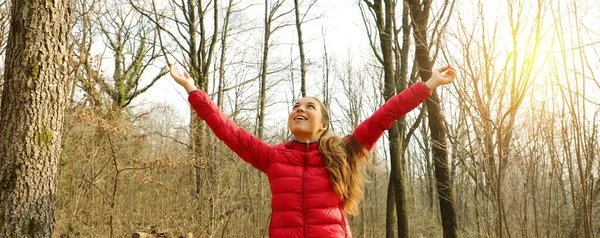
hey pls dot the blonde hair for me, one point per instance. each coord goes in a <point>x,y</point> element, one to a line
<point>343,158</point>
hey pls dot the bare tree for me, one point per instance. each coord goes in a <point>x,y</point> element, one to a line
<point>301,48</point>
<point>579,124</point>
<point>190,33</point>
<point>420,20</point>
<point>276,18</point>
<point>299,21</point>
<point>326,69</point>
<point>84,67</point>
<point>499,84</point>
<point>31,116</point>
<point>383,13</point>
<point>354,107</point>
<point>221,65</point>
<point>394,58</point>
<point>271,15</point>
<point>133,42</point>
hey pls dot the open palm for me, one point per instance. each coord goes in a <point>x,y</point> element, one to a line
<point>182,79</point>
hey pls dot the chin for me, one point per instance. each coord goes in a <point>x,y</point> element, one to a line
<point>298,131</point>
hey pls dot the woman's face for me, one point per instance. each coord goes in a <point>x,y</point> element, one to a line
<point>306,120</point>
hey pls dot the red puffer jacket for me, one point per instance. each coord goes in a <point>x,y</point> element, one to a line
<point>303,201</point>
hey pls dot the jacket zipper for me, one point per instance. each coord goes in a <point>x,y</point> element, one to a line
<point>304,188</point>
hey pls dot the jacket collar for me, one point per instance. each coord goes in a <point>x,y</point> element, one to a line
<point>302,146</point>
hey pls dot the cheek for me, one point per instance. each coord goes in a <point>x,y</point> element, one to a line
<point>318,119</point>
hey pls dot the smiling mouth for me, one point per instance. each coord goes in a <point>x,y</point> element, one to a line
<point>300,118</point>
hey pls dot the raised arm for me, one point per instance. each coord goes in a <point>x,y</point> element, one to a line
<point>245,145</point>
<point>370,130</point>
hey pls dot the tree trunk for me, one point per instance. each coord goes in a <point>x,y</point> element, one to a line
<point>384,13</point>
<point>263,72</point>
<point>301,47</point>
<point>224,36</point>
<point>397,176</point>
<point>31,116</point>
<point>385,22</point>
<point>201,52</point>
<point>438,131</point>
<point>390,219</point>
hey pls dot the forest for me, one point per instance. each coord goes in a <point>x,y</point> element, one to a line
<point>96,140</point>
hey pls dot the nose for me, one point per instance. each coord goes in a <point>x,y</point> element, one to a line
<point>300,109</point>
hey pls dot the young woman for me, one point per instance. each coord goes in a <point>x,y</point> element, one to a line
<point>315,177</point>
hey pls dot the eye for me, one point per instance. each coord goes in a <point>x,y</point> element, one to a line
<point>311,106</point>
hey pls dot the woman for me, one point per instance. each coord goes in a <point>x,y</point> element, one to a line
<point>315,177</point>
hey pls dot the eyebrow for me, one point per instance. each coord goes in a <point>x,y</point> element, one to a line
<point>308,103</point>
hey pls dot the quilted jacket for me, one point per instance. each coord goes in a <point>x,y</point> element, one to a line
<point>303,201</point>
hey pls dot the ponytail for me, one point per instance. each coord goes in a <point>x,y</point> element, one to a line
<point>343,159</point>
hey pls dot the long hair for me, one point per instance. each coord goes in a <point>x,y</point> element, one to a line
<point>343,158</point>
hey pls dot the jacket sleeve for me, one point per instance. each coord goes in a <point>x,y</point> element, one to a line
<point>245,145</point>
<point>370,130</point>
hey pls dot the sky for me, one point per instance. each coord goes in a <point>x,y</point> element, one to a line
<point>344,33</point>
<point>346,38</point>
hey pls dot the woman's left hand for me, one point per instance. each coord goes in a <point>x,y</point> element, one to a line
<point>184,80</point>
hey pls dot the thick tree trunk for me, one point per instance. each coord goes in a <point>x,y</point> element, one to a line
<point>442,173</point>
<point>31,116</point>
<point>438,131</point>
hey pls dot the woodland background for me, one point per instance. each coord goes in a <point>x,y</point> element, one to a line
<point>510,149</point>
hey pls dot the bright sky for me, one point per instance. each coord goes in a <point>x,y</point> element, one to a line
<point>342,25</point>
<point>346,38</point>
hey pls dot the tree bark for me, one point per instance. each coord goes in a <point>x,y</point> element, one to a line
<point>31,116</point>
<point>438,131</point>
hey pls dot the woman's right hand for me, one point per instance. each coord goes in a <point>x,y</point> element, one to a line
<point>184,80</point>
<point>444,75</point>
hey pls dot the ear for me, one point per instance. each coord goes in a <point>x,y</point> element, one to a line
<point>324,126</point>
